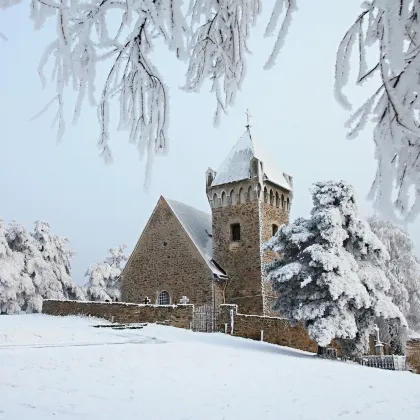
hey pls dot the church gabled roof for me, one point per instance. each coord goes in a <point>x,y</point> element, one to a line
<point>198,226</point>
<point>236,166</point>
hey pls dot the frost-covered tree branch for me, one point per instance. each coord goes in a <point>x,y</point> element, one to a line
<point>392,29</point>
<point>210,35</point>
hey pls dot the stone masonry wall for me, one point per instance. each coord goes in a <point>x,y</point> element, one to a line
<point>241,260</point>
<point>179,316</point>
<point>413,355</point>
<point>276,330</point>
<point>166,259</point>
<point>247,203</point>
<point>271,214</point>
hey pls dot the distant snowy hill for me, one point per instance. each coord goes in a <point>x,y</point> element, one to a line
<point>62,368</point>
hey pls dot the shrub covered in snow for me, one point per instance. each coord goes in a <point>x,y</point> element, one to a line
<point>331,274</point>
<point>104,277</point>
<point>33,266</point>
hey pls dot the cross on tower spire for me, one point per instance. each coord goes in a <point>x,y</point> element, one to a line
<point>248,119</point>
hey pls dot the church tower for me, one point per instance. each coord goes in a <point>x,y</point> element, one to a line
<point>250,198</point>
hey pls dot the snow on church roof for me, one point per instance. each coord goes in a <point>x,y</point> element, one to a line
<point>198,226</point>
<point>236,166</point>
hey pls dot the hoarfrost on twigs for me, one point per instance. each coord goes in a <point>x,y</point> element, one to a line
<point>391,29</point>
<point>212,37</point>
<point>104,277</point>
<point>33,266</point>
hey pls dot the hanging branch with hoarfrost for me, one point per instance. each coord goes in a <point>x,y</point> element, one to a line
<point>392,29</point>
<point>211,35</point>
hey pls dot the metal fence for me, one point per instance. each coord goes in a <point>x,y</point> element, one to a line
<point>385,362</point>
<point>205,319</point>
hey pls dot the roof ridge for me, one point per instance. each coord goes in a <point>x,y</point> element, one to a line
<point>197,225</point>
<point>184,204</point>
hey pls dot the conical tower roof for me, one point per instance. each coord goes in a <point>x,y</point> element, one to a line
<point>237,165</point>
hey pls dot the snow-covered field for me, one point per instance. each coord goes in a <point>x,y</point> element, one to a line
<point>62,368</point>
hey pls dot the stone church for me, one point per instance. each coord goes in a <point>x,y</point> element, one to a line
<point>214,258</point>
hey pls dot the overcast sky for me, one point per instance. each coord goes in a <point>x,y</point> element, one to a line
<point>294,114</point>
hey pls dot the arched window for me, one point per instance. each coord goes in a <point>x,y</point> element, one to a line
<point>288,204</point>
<point>258,190</point>
<point>275,228</point>
<point>224,199</point>
<point>214,200</point>
<point>265,195</point>
<point>254,168</point>
<point>233,197</point>
<point>164,298</point>
<point>235,232</point>
<point>209,179</point>
<point>249,197</point>
<point>282,202</point>
<point>240,195</point>
<point>277,200</point>
<point>271,197</point>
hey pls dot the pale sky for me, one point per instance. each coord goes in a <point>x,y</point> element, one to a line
<point>294,114</point>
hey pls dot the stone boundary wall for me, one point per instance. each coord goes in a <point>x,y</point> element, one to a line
<point>175,315</point>
<point>413,355</point>
<point>275,330</point>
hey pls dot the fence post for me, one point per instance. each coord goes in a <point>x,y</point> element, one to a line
<point>262,335</point>
<point>232,321</point>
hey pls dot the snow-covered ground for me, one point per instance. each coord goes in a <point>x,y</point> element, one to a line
<point>62,368</point>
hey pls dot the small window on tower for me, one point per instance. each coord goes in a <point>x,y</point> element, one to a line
<point>275,229</point>
<point>235,232</point>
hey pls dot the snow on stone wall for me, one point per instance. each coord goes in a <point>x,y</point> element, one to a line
<point>175,315</point>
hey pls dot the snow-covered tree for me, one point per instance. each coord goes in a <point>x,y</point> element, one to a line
<point>403,269</point>
<point>104,277</point>
<point>16,288</point>
<point>330,275</point>
<point>56,267</point>
<point>33,267</point>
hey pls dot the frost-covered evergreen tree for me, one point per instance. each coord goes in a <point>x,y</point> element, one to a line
<point>331,274</point>
<point>403,269</point>
<point>34,266</point>
<point>56,267</point>
<point>16,288</point>
<point>104,277</point>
